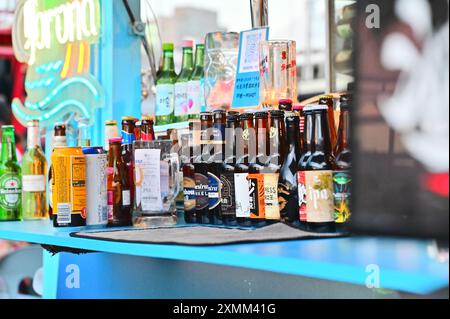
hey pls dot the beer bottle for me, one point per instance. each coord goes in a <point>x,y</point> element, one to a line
<point>181,87</point>
<point>316,177</point>
<point>147,129</point>
<point>59,140</point>
<point>329,102</point>
<point>190,213</point>
<point>277,144</point>
<point>137,129</point>
<point>244,136</point>
<point>288,184</point>
<point>196,91</point>
<point>342,177</point>
<point>201,169</point>
<point>128,138</point>
<point>165,88</point>
<point>257,170</point>
<point>118,186</point>
<point>34,171</point>
<point>228,204</point>
<point>10,178</point>
<point>214,167</point>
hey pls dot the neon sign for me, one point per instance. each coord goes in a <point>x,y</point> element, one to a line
<point>55,38</point>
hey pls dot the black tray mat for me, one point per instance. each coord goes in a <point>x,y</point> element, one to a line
<point>203,235</point>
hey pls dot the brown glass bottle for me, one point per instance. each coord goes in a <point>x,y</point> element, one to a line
<point>228,196</point>
<point>147,129</point>
<point>257,170</point>
<point>215,165</point>
<point>288,184</point>
<point>128,137</point>
<point>276,151</point>
<point>59,140</point>
<point>245,139</point>
<point>190,214</point>
<point>329,102</point>
<point>342,176</point>
<point>201,169</point>
<point>118,186</point>
<point>318,177</point>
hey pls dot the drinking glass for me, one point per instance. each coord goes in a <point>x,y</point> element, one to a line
<point>278,63</point>
<point>157,183</point>
<point>221,57</point>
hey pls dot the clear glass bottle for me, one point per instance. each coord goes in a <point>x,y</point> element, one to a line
<point>34,169</point>
<point>165,88</point>
<point>182,102</point>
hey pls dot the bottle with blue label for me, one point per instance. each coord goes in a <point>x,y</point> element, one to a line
<point>196,92</point>
<point>165,88</point>
<point>183,103</point>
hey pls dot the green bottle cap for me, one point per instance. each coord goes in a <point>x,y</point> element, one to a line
<point>168,47</point>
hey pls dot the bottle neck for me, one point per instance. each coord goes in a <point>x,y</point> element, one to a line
<point>200,57</point>
<point>230,141</point>
<point>33,137</point>
<point>8,147</point>
<point>262,136</point>
<point>344,130</point>
<point>322,140</point>
<point>188,63</point>
<point>293,140</point>
<point>59,141</point>
<point>115,150</point>
<point>277,136</point>
<point>168,62</point>
<point>308,132</point>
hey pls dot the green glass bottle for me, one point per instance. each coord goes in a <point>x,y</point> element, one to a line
<point>10,178</point>
<point>165,88</point>
<point>196,92</point>
<point>182,102</point>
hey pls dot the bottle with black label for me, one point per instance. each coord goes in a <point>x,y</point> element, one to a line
<point>257,171</point>
<point>215,165</point>
<point>288,184</point>
<point>201,169</point>
<point>244,134</point>
<point>190,214</point>
<point>228,205</point>
<point>276,149</point>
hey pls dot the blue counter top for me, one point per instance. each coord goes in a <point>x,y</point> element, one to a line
<point>404,265</point>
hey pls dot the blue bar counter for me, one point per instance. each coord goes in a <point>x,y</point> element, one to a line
<point>355,267</point>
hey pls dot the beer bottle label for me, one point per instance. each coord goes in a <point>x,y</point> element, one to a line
<point>128,138</point>
<point>189,194</point>
<point>288,202</point>
<point>256,196</point>
<point>214,186</point>
<point>201,191</point>
<point>195,93</point>
<point>10,191</point>
<point>165,99</point>
<point>342,193</point>
<point>272,206</point>
<point>242,195</point>
<point>227,194</point>
<point>182,101</point>
<point>33,183</point>
<point>146,136</point>
<point>315,192</point>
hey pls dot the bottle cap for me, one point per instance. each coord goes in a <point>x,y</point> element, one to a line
<point>115,140</point>
<point>187,44</point>
<point>168,47</point>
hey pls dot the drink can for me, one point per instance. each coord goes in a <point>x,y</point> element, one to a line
<point>97,197</point>
<point>69,187</point>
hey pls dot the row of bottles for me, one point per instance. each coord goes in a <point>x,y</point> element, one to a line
<point>180,97</point>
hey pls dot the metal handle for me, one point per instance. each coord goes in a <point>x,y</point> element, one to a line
<point>260,13</point>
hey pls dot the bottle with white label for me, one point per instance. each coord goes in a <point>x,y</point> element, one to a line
<point>165,88</point>
<point>182,102</point>
<point>34,169</point>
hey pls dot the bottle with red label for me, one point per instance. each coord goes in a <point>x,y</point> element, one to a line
<point>147,129</point>
<point>315,177</point>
